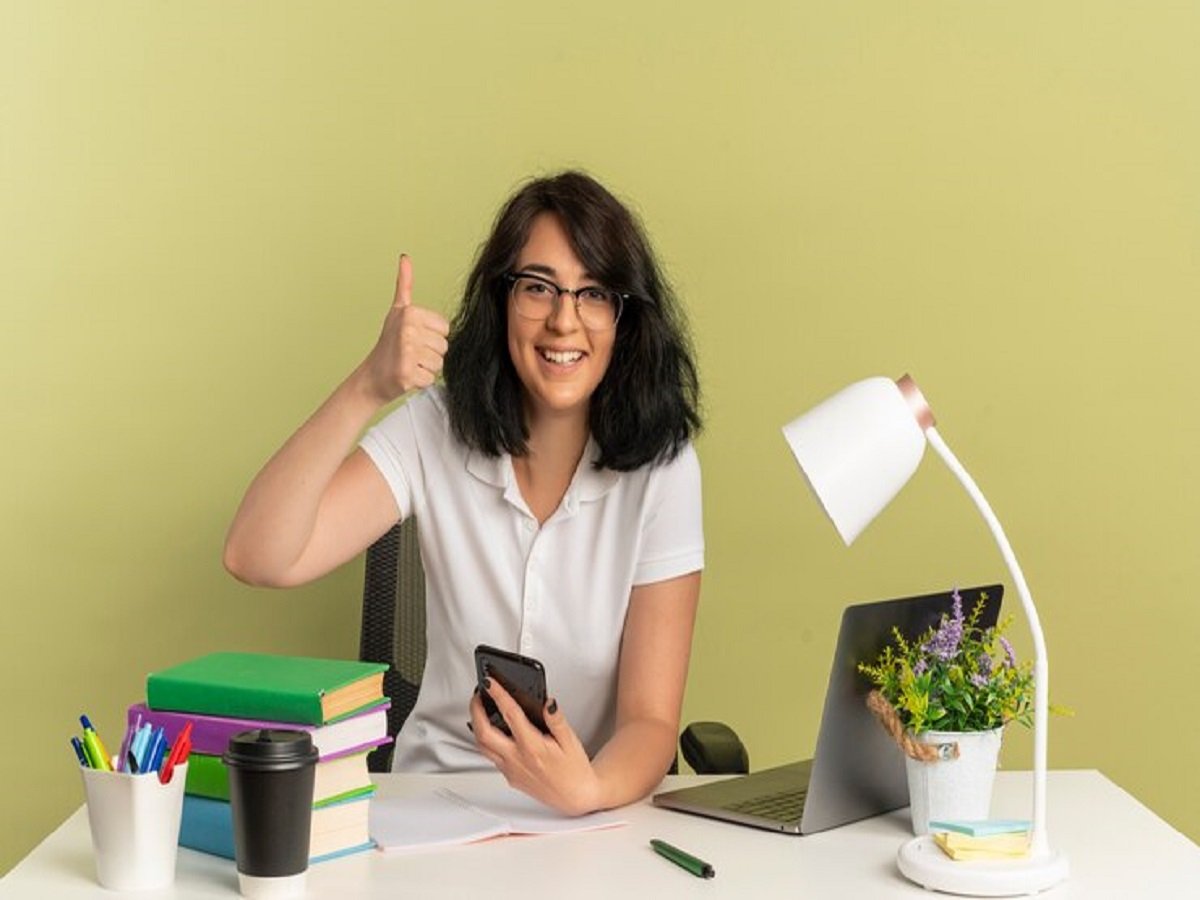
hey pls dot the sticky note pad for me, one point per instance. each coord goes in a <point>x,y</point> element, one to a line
<point>961,847</point>
<point>981,827</point>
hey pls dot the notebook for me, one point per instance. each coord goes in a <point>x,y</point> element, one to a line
<point>857,770</point>
<point>442,817</point>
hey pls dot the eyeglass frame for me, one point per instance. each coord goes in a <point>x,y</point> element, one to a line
<point>622,297</point>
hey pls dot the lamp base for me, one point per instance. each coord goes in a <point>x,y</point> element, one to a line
<point>922,861</point>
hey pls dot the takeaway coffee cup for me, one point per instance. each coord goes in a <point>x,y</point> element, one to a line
<point>271,775</point>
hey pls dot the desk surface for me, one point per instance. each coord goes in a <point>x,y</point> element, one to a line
<point>1116,848</point>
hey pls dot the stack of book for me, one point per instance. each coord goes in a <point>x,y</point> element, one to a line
<point>339,702</point>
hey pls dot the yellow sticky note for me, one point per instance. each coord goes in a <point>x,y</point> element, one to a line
<point>996,846</point>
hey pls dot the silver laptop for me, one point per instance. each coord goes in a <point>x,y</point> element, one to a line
<point>857,770</point>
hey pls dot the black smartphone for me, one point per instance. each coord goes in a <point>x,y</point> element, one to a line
<point>522,676</point>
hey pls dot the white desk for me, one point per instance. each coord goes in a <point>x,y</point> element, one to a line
<point>1117,848</point>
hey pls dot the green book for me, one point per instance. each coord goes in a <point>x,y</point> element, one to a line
<point>335,780</point>
<point>297,689</point>
<point>207,777</point>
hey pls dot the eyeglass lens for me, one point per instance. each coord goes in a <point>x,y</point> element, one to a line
<point>598,308</point>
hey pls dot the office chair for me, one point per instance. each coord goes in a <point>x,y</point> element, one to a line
<point>393,632</point>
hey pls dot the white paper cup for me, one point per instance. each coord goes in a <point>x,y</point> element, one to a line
<point>277,887</point>
<point>135,827</point>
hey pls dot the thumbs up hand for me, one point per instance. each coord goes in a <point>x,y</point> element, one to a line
<point>408,355</point>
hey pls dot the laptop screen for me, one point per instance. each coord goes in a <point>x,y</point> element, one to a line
<point>858,770</point>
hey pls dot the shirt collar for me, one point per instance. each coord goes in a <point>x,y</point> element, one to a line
<point>588,484</point>
<point>493,470</point>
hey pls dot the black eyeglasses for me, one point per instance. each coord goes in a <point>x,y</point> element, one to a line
<point>535,297</point>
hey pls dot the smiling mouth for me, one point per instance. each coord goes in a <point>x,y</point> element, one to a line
<point>561,357</point>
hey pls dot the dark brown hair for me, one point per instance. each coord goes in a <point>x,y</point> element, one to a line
<point>646,407</point>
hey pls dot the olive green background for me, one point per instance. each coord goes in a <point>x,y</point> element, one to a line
<point>201,207</point>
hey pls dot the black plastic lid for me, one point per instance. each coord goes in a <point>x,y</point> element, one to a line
<point>270,748</point>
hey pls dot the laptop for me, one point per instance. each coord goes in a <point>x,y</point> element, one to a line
<point>857,770</point>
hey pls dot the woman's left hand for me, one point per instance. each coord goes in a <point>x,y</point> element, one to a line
<point>553,768</point>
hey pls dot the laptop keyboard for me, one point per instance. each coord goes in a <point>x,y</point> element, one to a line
<point>785,806</point>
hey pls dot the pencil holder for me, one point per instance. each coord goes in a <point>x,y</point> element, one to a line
<point>135,827</point>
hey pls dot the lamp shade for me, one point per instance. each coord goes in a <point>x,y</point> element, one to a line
<point>857,449</point>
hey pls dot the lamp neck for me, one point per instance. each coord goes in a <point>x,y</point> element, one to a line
<point>1039,841</point>
<point>916,402</point>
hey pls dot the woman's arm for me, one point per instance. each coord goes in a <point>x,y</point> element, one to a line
<point>313,507</point>
<point>655,650</point>
<point>652,672</point>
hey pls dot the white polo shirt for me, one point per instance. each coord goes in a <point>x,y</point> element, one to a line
<point>492,576</point>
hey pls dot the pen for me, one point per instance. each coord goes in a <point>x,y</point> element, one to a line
<point>697,867</point>
<point>95,749</point>
<point>178,755</point>
<point>78,745</point>
<point>138,745</point>
<point>127,742</point>
<point>150,750</point>
<point>160,752</point>
<point>90,753</point>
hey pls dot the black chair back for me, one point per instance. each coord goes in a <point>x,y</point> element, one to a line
<point>393,624</point>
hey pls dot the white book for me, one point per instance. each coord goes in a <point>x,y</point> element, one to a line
<point>341,775</point>
<point>340,815</point>
<point>442,817</point>
<point>339,827</point>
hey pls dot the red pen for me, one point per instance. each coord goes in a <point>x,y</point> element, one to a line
<point>178,755</point>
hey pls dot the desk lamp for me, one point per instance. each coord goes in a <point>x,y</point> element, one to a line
<point>857,449</point>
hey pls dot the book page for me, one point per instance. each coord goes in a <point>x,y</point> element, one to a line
<point>524,815</point>
<point>428,819</point>
<point>441,818</point>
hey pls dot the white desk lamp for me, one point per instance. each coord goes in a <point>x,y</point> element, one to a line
<point>857,449</point>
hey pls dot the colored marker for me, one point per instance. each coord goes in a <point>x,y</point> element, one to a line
<point>178,755</point>
<point>150,751</point>
<point>78,745</point>
<point>697,867</point>
<point>95,749</point>
<point>127,742</point>
<point>160,751</point>
<point>141,741</point>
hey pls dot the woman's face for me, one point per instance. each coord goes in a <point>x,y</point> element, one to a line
<point>559,362</point>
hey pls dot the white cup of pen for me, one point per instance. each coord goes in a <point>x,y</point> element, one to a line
<point>133,815</point>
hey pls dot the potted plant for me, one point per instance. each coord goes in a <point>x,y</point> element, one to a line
<point>946,696</point>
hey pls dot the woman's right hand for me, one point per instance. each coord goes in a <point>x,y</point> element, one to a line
<point>408,355</point>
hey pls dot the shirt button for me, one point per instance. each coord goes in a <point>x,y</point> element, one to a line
<point>530,525</point>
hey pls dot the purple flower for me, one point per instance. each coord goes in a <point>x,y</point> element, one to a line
<point>920,667</point>
<point>985,665</point>
<point>945,641</point>
<point>1011,656</point>
<point>979,679</point>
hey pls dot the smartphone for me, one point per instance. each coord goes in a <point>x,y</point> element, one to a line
<point>522,676</point>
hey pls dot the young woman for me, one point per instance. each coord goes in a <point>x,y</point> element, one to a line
<point>556,491</point>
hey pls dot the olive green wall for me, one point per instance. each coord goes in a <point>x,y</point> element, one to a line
<point>201,205</point>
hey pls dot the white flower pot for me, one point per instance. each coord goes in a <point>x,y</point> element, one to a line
<point>953,788</point>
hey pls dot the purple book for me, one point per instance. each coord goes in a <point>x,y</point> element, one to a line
<point>211,734</point>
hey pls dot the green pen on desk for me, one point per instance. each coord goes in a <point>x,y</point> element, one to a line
<point>697,867</point>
